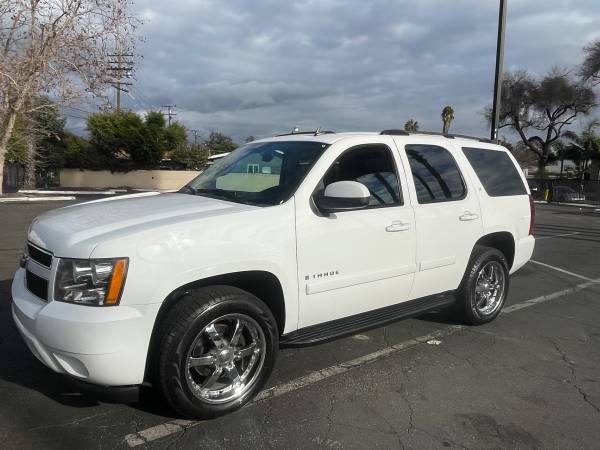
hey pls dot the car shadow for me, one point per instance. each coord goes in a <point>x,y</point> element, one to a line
<point>21,368</point>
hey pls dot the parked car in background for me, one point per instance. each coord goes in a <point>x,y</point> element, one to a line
<point>566,194</point>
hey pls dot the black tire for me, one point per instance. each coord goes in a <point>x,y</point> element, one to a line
<point>180,330</point>
<point>466,308</point>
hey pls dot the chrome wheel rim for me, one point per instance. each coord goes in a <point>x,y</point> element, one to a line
<point>226,358</point>
<point>489,288</point>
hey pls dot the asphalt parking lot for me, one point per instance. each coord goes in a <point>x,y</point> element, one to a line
<point>531,379</point>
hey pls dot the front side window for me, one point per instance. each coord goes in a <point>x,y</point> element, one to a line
<point>263,173</point>
<point>435,174</point>
<point>371,165</point>
<point>496,171</point>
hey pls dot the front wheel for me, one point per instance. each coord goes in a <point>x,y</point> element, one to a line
<point>484,288</point>
<point>217,348</point>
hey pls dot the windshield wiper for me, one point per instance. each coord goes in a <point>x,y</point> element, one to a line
<point>187,189</point>
<point>227,195</point>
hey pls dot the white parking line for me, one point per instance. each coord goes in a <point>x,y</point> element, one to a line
<point>559,269</point>
<point>557,235</point>
<point>175,426</point>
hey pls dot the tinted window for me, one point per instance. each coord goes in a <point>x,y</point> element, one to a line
<point>263,173</point>
<point>496,171</point>
<point>373,166</point>
<point>435,173</point>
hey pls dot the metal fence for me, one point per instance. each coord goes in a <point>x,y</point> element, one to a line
<point>566,190</point>
<point>14,175</point>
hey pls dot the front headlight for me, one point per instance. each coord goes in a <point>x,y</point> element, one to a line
<point>96,282</point>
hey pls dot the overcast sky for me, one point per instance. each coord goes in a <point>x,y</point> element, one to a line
<point>262,66</point>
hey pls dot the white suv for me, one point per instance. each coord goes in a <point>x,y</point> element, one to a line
<point>287,241</point>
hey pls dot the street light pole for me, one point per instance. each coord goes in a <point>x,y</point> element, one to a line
<point>498,74</point>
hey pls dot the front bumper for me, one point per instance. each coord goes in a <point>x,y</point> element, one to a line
<point>101,345</point>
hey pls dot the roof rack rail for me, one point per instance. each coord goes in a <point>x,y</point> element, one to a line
<point>316,132</point>
<point>437,133</point>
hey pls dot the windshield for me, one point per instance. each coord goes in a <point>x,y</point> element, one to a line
<point>263,173</point>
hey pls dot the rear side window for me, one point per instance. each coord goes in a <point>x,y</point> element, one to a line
<point>435,173</point>
<point>496,171</point>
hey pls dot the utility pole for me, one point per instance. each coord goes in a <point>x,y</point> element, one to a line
<point>498,75</point>
<point>120,67</point>
<point>169,112</point>
<point>195,133</point>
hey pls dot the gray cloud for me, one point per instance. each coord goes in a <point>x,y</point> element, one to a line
<point>264,66</point>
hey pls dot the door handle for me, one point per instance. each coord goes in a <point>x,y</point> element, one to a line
<point>468,215</point>
<point>397,225</point>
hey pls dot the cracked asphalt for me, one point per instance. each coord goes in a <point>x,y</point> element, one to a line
<point>528,380</point>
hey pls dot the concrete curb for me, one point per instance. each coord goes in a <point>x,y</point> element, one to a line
<point>575,205</point>
<point>36,199</point>
<point>44,192</point>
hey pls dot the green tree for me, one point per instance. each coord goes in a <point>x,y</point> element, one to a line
<point>36,141</point>
<point>539,109</point>
<point>125,137</point>
<point>219,143</point>
<point>175,136</point>
<point>411,125</point>
<point>447,118</point>
<point>48,128</point>
<point>117,134</point>
<point>192,157</point>
<point>584,146</point>
<point>80,154</point>
<point>155,135</point>
<point>16,151</point>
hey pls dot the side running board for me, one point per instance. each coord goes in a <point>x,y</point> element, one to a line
<point>347,326</point>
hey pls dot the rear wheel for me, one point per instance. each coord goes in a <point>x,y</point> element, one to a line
<point>217,347</point>
<point>483,290</point>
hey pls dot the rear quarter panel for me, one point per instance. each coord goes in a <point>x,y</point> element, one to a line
<point>505,213</point>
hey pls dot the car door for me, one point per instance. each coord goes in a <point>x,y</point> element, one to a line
<point>447,213</point>
<point>355,261</point>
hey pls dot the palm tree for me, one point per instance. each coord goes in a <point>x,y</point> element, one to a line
<point>447,118</point>
<point>411,125</point>
<point>584,146</point>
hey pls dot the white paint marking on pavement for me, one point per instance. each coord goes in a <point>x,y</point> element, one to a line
<point>36,199</point>
<point>175,426</point>
<point>557,235</point>
<point>561,270</point>
<point>72,192</point>
<point>159,431</point>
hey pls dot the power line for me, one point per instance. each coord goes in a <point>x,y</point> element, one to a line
<point>120,67</point>
<point>196,133</point>
<point>75,117</point>
<point>77,109</point>
<point>144,100</point>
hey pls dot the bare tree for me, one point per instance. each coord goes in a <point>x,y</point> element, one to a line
<point>447,118</point>
<point>58,48</point>
<point>539,109</point>
<point>590,68</point>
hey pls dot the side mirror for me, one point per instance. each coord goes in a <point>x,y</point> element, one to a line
<point>342,196</point>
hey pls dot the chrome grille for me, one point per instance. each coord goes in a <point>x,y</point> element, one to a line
<point>37,285</point>
<point>42,257</point>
